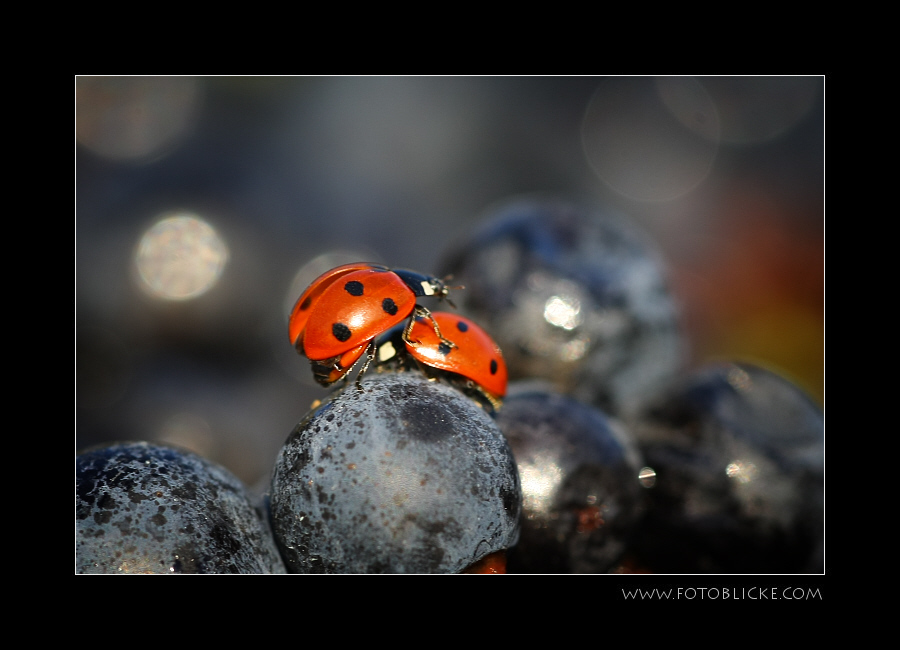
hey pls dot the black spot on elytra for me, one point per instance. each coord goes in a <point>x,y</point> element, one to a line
<point>341,332</point>
<point>444,349</point>
<point>389,306</point>
<point>354,288</point>
<point>493,366</point>
<point>462,326</point>
<point>306,303</point>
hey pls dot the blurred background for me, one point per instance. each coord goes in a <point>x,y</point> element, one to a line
<point>204,206</point>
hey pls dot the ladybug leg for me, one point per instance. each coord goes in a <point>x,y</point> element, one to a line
<point>493,401</point>
<point>370,356</point>
<point>408,330</point>
<point>422,312</point>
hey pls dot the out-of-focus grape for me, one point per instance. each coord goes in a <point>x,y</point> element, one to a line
<point>134,118</point>
<point>574,296</point>
<point>739,457</point>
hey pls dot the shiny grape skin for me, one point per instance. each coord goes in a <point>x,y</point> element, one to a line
<point>147,508</point>
<point>579,472</point>
<point>573,295</point>
<point>738,452</point>
<point>398,475</point>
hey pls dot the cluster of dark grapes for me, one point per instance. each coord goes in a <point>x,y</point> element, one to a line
<point>607,454</point>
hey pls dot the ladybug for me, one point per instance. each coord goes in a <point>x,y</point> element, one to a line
<point>337,319</point>
<point>475,356</point>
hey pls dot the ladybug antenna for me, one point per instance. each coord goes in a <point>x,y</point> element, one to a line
<point>448,278</point>
<point>448,288</point>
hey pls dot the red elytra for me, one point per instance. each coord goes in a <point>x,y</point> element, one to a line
<point>476,355</point>
<point>353,310</point>
<point>336,320</point>
<point>308,299</point>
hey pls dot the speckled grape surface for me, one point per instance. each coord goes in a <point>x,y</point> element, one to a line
<point>575,296</point>
<point>400,475</point>
<point>144,508</point>
<point>738,452</point>
<point>579,472</point>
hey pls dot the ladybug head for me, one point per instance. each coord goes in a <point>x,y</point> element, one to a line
<point>441,289</point>
<point>426,285</point>
<point>446,289</point>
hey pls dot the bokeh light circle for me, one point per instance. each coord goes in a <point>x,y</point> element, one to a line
<point>134,118</point>
<point>180,257</point>
<point>639,136</point>
<point>753,110</point>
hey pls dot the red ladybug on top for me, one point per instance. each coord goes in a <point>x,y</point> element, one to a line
<point>336,320</point>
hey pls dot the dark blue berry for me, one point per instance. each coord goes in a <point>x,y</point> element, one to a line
<point>738,453</point>
<point>579,471</point>
<point>575,296</point>
<point>400,475</point>
<point>143,508</point>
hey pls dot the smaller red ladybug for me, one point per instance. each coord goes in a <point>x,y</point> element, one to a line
<point>474,357</point>
<point>337,318</point>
